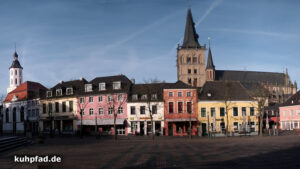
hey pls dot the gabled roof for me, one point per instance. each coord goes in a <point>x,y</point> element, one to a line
<point>210,63</point>
<point>148,89</point>
<point>223,90</point>
<point>26,91</point>
<point>108,80</point>
<point>190,36</point>
<point>178,85</point>
<point>251,76</point>
<point>293,100</point>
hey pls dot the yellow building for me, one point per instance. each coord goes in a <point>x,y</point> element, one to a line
<point>215,99</point>
<point>58,108</point>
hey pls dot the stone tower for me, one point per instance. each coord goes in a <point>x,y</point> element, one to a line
<point>210,67</point>
<point>15,74</point>
<point>191,56</point>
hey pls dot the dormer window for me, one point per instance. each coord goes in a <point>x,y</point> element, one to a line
<point>49,93</point>
<point>69,91</point>
<point>134,97</point>
<point>101,86</point>
<point>88,88</point>
<point>154,97</point>
<point>117,85</point>
<point>144,97</point>
<point>58,92</point>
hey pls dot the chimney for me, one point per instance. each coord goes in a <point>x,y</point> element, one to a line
<point>132,81</point>
<point>61,82</point>
<point>81,78</point>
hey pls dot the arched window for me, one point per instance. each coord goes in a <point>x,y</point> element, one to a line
<point>7,116</point>
<point>16,72</point>
<point>16,81</point>
<point>22,114</point>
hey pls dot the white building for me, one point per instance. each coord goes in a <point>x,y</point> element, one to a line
<point>15,74</point>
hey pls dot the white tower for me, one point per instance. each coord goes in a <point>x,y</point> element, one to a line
<point>15,74</point>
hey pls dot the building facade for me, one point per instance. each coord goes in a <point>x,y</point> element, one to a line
<point>180,109</point>
<point>290,113</point>
<point>146,102</point>
<point>213,104</point>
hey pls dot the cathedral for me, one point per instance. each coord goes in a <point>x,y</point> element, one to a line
<point>193,69</point>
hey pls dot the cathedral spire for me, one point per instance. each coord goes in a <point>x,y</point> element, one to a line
<point>190,35</point>
<point>210,63</point>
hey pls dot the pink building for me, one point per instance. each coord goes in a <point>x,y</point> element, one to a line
<point>290,113</point>
<point>104,100</point>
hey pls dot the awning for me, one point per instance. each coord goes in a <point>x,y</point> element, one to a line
<point>181,119</point>
<point>101,122</point>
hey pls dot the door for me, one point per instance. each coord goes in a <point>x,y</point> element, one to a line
<point>149,132</point>
<point>142,128</point>
<point>203,129</point>
<point>170,129</point>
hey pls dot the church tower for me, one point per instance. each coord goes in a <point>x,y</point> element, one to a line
<point>15,74</point>
<point>191,56</point>
<point>210,67</point>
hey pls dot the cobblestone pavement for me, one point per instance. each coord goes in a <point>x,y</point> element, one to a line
<point>165,152</point>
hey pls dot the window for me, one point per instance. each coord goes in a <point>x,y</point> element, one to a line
<point>144,97</point>
<point>58,92</point>
<point>49,93</point>
<point>134,97</point>
<point>110,110</point>
<point>81,100</point>
<point>110,98</point>
<point>284,113</point>
<point>100,99</point>
<point>236,125</point>
<point>64,107</point>
<point>188,60</point>
<point>101,86</point>
<point>29,113</point>
<point>153,96</point>
<point>120,97</point>
<point>91,99</point>
<point>179,94</point>
<point>22,114</point>
<point>154,109</point>
<point>171,107</point>
<point>180,107</point>
<point>120,110</point>
<point>235,111</point>
<point>69,91</point>
<point>252,111</point>
<point>189,81</point>
<point>16,73</point>
<point>298,112</point>
<point>222,111</point>
<point>81,112</point>
<point>100,110</point>
<point>212,112</point>
<point>88,88</point>
<point>56,107</point>
<point>189,107</point>
<point>7,115</point>
<point>189,71</point>
<point>44,108</point>
<point>291,112</point>
<point>50,107</point>
<point>116,85</point>
<point>195,82</point>
<point>91,111</point>
<point>132,110</point>
<point>170,94</point>
<point>252,126</point>
<point>37,112</point>
<point>203,112</point>
<point>188,94</point>
<point>142,110</point>
<point>244,112</point>
<point>70,106</point>
<point>194,60</point>
<point>195,71</point>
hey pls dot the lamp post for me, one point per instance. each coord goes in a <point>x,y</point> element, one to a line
<point>81,124</point>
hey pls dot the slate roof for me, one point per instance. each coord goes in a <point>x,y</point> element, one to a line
<point>178,85</point>
<point>148,89</point>
<point>251,76</point>
<point>26,91</point>
<point>210,63</point>
<point>293,100</point>
<point>16,63</point>
<point>217,90</point>
<point>190,36</point>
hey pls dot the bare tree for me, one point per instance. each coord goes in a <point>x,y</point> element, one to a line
<point>227,100</point>
<point>82,107</point>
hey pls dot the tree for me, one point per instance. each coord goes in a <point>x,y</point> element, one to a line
<point>82,105</point>
<point>227,100</point>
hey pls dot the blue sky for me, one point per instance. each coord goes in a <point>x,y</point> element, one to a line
<point>66,39</point>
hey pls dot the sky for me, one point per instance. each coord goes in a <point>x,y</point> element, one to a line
<point>66,39</point>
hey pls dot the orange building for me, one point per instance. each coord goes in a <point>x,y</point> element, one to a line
<point>180,108</point>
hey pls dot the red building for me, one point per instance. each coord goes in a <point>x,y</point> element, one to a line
<point>180,107</point>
